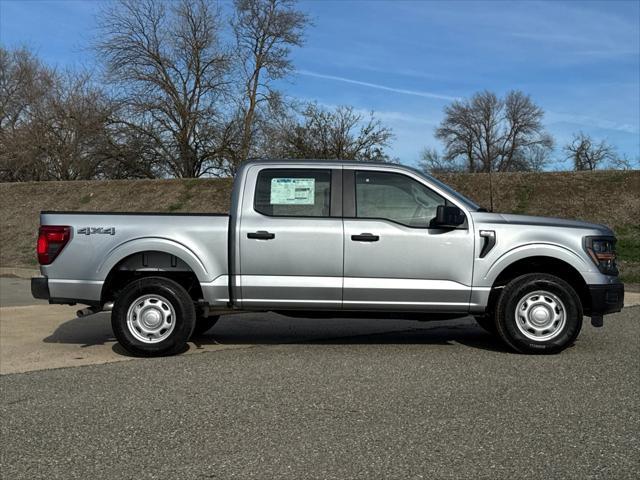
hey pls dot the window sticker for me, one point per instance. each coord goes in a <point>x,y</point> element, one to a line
<point>293,191</point>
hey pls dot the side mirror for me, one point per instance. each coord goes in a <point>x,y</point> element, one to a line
<point>448,217</point>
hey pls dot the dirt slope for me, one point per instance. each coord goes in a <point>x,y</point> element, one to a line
<point>608,197</point>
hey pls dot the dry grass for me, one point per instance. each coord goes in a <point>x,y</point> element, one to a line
<point>21,204</point>
<point>608,197</point>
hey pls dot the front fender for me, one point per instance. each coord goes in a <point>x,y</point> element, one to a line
<point>558,252</point>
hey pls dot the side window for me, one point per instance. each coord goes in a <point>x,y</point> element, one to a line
<point>395,197</point>
<point>293,193</point>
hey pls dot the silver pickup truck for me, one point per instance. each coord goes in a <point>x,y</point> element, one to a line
<point>336,239</point>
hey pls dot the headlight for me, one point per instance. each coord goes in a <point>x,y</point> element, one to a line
<point>602,251</point>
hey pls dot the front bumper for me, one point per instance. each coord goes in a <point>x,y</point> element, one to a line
<point>605,299</point>
<point>40,288</point>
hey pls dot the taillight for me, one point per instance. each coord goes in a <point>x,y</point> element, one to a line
<point>51,241</point>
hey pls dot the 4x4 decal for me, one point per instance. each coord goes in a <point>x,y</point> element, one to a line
<point>97,231</point>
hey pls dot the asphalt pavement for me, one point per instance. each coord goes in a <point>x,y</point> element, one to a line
<point>304,398</point>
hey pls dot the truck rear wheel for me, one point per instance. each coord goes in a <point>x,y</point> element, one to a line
<point>153,316</point>
<point>487,322</point>
<point>538,313</point>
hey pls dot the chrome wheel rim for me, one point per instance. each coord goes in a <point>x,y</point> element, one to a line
<point>151,318</point>
<point>540,316</point>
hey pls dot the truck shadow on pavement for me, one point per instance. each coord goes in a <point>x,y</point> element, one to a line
<point>87,331</point>
<point>272,329</point>
<point>469,336</point>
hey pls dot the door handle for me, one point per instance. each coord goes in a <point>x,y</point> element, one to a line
<point>365,237</point>
<point>261,235</point>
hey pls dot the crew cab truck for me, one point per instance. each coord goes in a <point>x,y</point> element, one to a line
<point>335,239</point>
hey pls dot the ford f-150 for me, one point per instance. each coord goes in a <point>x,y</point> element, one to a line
<point>335,239</point>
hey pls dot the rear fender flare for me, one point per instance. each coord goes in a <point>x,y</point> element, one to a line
<point>156,244</point>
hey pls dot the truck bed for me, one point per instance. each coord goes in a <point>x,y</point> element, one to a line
<point>103,241</point>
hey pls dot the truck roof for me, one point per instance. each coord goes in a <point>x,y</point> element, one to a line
<point>329,163</point>
<point>350,163</point>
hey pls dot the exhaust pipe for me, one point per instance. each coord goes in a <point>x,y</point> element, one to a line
<point>107,307</point>
<point>87,311</point>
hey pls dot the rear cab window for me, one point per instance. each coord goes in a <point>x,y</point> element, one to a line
<point>293,192</point>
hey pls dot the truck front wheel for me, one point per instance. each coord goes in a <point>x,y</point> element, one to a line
<point>204,324</point>
<point>153,316</point>
<point>538,313</point>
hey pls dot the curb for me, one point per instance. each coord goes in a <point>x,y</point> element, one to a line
<point>631,299</point>
<point>19,272</point>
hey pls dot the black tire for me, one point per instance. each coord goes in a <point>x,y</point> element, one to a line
<point>156,288</point>
<point>204,324</point>
<point>488,323</point>
<point>527,286</point>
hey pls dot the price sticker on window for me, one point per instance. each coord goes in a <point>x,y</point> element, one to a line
<point>293,191</point>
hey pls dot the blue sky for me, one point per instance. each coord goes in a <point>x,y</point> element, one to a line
<point>407,59</point>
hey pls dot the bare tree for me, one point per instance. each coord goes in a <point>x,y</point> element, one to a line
<point>131,154</point>
<point>265,31</point>
<point>53,126</point>
<point>341,133</point>
<point>167,61</point>
<point>24,81</point>
<point>623,162</point>
<point>24,85</point>
<point>431,161</point>
<point>70,130</point>
<point>586,154</point>
<point>487,133</point>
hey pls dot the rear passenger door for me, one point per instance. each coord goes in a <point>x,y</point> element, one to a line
<point>291,238</point>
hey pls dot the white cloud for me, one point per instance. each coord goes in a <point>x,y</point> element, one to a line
<point>416,93</point>
<point>587,121</point>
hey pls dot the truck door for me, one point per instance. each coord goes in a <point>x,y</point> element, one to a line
<point>392,259</point>
<point>291,238</point>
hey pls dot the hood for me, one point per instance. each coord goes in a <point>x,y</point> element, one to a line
<point>512,219</point>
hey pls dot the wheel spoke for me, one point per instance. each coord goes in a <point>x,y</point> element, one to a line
<point>540,315</point>
<point>151,318</point>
